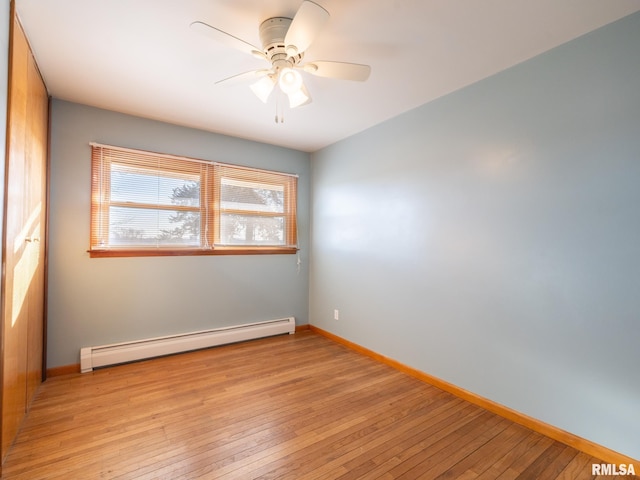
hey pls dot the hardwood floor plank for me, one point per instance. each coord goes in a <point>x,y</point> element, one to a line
<point>484,457</point>
<point>376,428</point>
<point>408,454</point>
<point>360,461</point>
<point>526,458</point>
<point>456,446</point>
<point>579,468</point>
<point>289,408</point>
<point>535,469</point>
<point>518,448</point>
<point>406,446</point>
<point>292,424</point>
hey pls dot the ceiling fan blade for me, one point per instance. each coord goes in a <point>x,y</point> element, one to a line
<point>307,23</point>
<point>227,39</point>
<point>242,77</point>
<point>340,70</point>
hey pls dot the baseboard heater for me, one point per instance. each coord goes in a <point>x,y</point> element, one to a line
<point>105,355</point>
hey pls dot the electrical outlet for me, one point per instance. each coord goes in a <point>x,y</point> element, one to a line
<point>336,314</point>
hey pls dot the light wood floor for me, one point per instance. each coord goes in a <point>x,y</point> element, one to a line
<point>289,407</point>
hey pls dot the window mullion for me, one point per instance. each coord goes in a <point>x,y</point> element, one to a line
<point>207,207</point>
<point>215,189</point>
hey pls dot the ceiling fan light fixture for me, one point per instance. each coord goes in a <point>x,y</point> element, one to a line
<point>299,98</point>
<point>263,87</point>
<point>284,43</point>
<point>290,80</point>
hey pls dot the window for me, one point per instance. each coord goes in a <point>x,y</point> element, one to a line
<point>145,203</point>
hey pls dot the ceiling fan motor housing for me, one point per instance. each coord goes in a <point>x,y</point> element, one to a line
<point>272,34</point>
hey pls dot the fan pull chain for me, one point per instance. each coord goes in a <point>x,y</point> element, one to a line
<point>281,119</point>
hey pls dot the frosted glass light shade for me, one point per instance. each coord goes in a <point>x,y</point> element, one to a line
<point>263,87</point>
<point>290,80</point>
<point>299,98</point>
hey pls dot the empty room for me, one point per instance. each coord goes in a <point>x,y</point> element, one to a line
<point>320,239</point>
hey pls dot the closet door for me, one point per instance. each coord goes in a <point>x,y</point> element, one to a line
<point>24,236</point>
<point>36,159</point>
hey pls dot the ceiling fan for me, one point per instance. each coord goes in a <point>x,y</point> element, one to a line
<point>284,42</point>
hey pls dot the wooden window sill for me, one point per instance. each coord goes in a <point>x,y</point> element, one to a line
<point>168,252</point>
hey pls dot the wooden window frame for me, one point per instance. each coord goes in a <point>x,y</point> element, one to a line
<point>210,174</point>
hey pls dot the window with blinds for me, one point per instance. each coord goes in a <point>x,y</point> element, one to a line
<point>145,203</point>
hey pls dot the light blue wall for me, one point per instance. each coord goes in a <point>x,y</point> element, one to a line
<point>105,300</point>
<point>492,237</point>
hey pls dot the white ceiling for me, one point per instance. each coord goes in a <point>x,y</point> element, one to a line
<point>140,56</point>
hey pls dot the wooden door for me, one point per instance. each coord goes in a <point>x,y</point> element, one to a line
<point>36,159</point>
<point>24,236</point>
